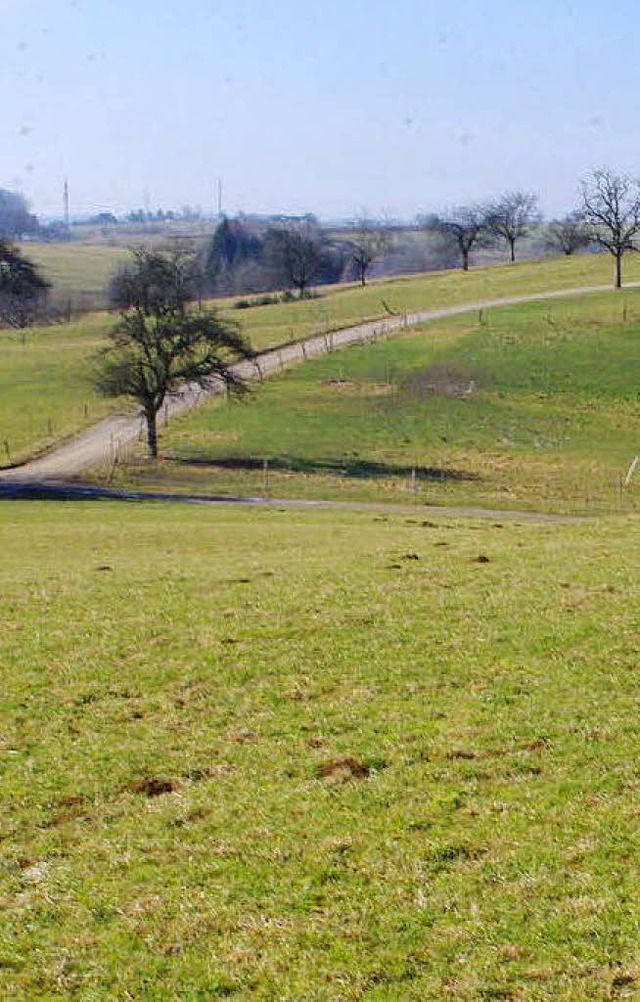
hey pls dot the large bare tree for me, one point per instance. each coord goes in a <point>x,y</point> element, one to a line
<point>162,341</point>
<point>511,217</point>
<point>611,210</point>
<point>367,243</point>
<point>568,234</point>
<point>464,227</point>
<point>294,250</point>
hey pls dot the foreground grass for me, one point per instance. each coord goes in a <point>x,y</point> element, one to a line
<point>533,405</point>
<point>55,352</point>
<point>316,756</point>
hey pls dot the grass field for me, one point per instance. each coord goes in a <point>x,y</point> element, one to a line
<point>45,390</point>
<point>535,404</point>
<point>49,399</point>
<point>342,305</point>
<point>317,756</point>
<point>79,273</point>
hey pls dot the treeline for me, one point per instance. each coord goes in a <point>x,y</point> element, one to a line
<point>293,254</point>
<point>296,254</point>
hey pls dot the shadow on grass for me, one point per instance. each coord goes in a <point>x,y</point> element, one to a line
<point>344,467</point>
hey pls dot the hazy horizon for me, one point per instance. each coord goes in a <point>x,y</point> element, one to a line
<point>342,109</point>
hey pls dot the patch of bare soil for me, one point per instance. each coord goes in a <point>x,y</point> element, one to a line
<point>152,787</point>
<point>341,769</point>
<point>350,386</point>
<point>69,808</point>
<point>443,381</point>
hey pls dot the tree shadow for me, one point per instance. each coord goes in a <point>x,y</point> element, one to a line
<point>347,466</point>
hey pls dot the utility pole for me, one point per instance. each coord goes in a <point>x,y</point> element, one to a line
<point>65,203</point>
<point>219,198</point>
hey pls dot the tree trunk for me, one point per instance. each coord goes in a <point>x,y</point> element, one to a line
<point>362,276</point>
<point>465,259</point>
<point>512,245</point>
<point>617,280</point>
<point>152,433</point>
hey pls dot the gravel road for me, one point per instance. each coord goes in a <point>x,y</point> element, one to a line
<point>103,442</point>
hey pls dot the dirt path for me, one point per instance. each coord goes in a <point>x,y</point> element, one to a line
<point>53,491</point>
<point>104,442</point>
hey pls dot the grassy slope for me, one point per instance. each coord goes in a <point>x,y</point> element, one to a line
<point>344,305</point>
<point>76,271</point>
<point>45,392</point>
<point>553,416</point>
<point>64,348</point>
<point>489,854</point>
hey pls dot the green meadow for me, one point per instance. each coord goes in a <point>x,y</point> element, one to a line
<point>534,405</point>
<point>45,390</point>
<point>282,754</point>
<point>343,305</point>
<point>324,756</point>
<point>78,272</point>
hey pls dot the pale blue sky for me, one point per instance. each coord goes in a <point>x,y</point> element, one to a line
<point>335,108</point>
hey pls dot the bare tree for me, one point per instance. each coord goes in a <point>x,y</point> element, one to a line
<point>511,217</point>
<point>368,243</point>
<point>611,210</point>
<point>464,227</point>
<point>569,234</point>
<point>294,251</point>
<point>162,342</point>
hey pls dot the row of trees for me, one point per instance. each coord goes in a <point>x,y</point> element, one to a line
<point>296,254</point>
<point>608,217</point>
<point>293,254</point>
<point>508,220</point>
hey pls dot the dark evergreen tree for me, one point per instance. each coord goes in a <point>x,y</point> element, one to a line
<point>23,290</point>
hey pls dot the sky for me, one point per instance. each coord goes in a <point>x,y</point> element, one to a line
<point>340,108</point>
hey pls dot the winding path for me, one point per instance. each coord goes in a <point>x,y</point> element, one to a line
<point>105,441</point>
